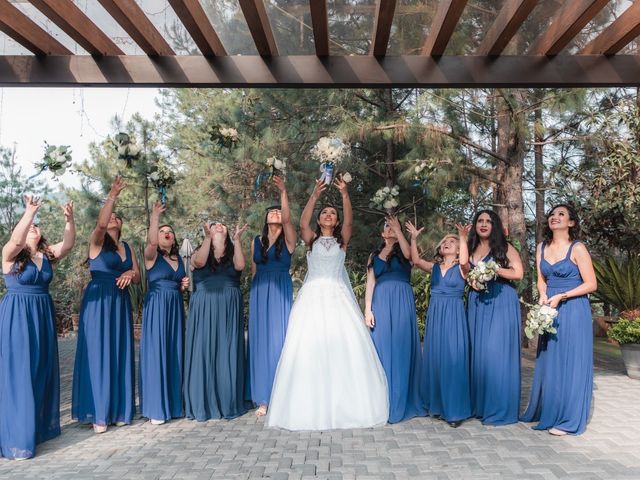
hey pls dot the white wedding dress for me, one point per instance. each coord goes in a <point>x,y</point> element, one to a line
<point>329,375</point>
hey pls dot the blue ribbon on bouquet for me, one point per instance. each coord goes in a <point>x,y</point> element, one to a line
<point>163,195</point>
<point>327,169</point>
<point>260,179</point>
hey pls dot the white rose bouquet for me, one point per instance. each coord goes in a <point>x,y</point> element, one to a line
<point>540,320</point>
<point>55,159</point>
<point>329,151</point>
<point>386,198</point>
<point>224,136</point>
<point>482,274</point>
<point>127,149</point>
<point>162,178</point>
<point>276,164</point>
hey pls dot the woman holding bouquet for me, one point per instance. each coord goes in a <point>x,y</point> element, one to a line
<point>445,359</point>
<point>29,376</point>
<point>214,348</point>
<point>103,392</point>
<point>563,378</point>
<point>494,323</point>
<point>270,298</point>
<point>390,313</point>
<point>162,324</point>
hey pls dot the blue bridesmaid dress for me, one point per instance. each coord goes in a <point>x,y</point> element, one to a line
<point>161,343</point>
<point>269,306</point>
<point>445,360</point>
<point>396,338</point>
<point>214,348</point>
<point>563,378</point>
<point>494,326</point>
<point>29,374</point>
<point>103,387</point>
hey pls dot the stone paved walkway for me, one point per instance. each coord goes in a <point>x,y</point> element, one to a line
<point>419,448</point>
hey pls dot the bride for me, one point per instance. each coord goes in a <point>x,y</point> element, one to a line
<point>329,375</point>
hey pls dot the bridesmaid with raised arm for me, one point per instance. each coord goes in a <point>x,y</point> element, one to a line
<point>270,298</point>
<point>494,323</point>
<point>162,324</point>
<point>214,349</point>
<point>563,378</point>
<point>446,353</point>
<point>103,389</point>
<point>29,374</point>
<point>390,313</point>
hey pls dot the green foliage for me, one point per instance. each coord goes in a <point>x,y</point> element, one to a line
<point>619,282</point>
<point>625,331</point>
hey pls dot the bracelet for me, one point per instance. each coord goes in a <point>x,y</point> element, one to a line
<point>563,296</point>
<point>109,197</point>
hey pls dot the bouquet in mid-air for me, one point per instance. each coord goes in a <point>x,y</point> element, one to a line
<point>329,151</point>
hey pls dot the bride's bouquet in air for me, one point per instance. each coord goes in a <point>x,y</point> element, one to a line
<point>540,320</point>
<point>329,151</point>
<point>55,159</point>
<point>162,178</point>
<point>480,275</point>
<point>386,198</point>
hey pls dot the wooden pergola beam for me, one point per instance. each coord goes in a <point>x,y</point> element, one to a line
<point>617,35</point>
<point>444,23</point>
<point>320,22</point>
<point>195,20</point>
<point>382,26</point>
<point>71,20</point>
<point>134,21</point>
<point>510,18</point>
<point>27,33</point>
<point>364,71</point>
<point>257,19</point>
<point>565,25</point>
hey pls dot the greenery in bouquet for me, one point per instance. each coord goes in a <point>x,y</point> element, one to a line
<point>480,275</point>
<point>56,159</point>
<point>127,149</point>
<point>386,198</point>
<point>539,320</point>
<point>162,177</point>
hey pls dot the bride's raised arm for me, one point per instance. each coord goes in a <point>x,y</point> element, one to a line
<point>347,212</point>
<point>307,233</point>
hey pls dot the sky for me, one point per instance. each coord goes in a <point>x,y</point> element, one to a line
<point>65,116</point>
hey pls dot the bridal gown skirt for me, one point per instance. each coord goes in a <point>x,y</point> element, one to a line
<point>329,375</point>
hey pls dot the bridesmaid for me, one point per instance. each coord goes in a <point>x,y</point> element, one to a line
<point>270,298</point>
<point>103,392</point>
<point>390,313</point>
<point>445,360</point>
<point>494,323</point>
<point>214,350</point>
<point>563,378</point>
<point>162,324</point>
<point>29,375</point>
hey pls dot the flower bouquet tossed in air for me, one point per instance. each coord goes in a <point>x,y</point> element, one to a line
<point>127,149</point>
<point>162,178</point>
<point>480,275</point>
<point>55,159</point>
<point>224,136</point>
<point>386,198</point>
<point>540,320</point>
<point>329,151</point>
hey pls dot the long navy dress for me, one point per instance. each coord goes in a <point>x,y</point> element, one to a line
<point>396,338</point>
<point>161,342</point>
<point>269,306</point>
<point>494,325</point>
<point>445,379</point>
<point>29,375</point>
<point>214,348</point>
<point>563,377</point>
<point>103,388</point>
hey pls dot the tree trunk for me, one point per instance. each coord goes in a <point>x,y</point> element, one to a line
<point>539,175</point>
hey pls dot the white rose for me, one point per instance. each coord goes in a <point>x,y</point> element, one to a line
<point>154,177</point>
<point>386,190</point>
<point>279,164</point>
<point>347,177</point>
<point>134,149</point>
<point>271,161</point>
<point>394,202</point>
<point>388,204</point>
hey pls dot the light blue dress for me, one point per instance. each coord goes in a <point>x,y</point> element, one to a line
<point>445,379</point>
<point>29,374</point>
<point>494,325</point>
<point>563,378</point>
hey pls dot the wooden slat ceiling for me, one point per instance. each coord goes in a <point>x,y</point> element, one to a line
<point>547,63</point>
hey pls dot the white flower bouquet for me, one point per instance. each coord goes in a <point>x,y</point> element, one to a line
<point>482,274</point>
<point>224,136</point>
<point>386,198</point>
<point>127,149</point>
<point>55,159</point>
<point>329,151</point>
<point>276,164</point>
<point>540,320</point>
<point>162,178</point>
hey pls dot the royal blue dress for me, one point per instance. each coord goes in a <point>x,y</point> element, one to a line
<point>29,375</point>
<point>445,385</point>
<point>563,378</point>
<point>103,387</point>
<point>396,338</point>
<point>161,342</point>
<point>494,325</point>
<point>214,348</point>
<point>269,306</point>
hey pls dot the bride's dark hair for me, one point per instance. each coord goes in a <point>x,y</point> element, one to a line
<point>337,230</point>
